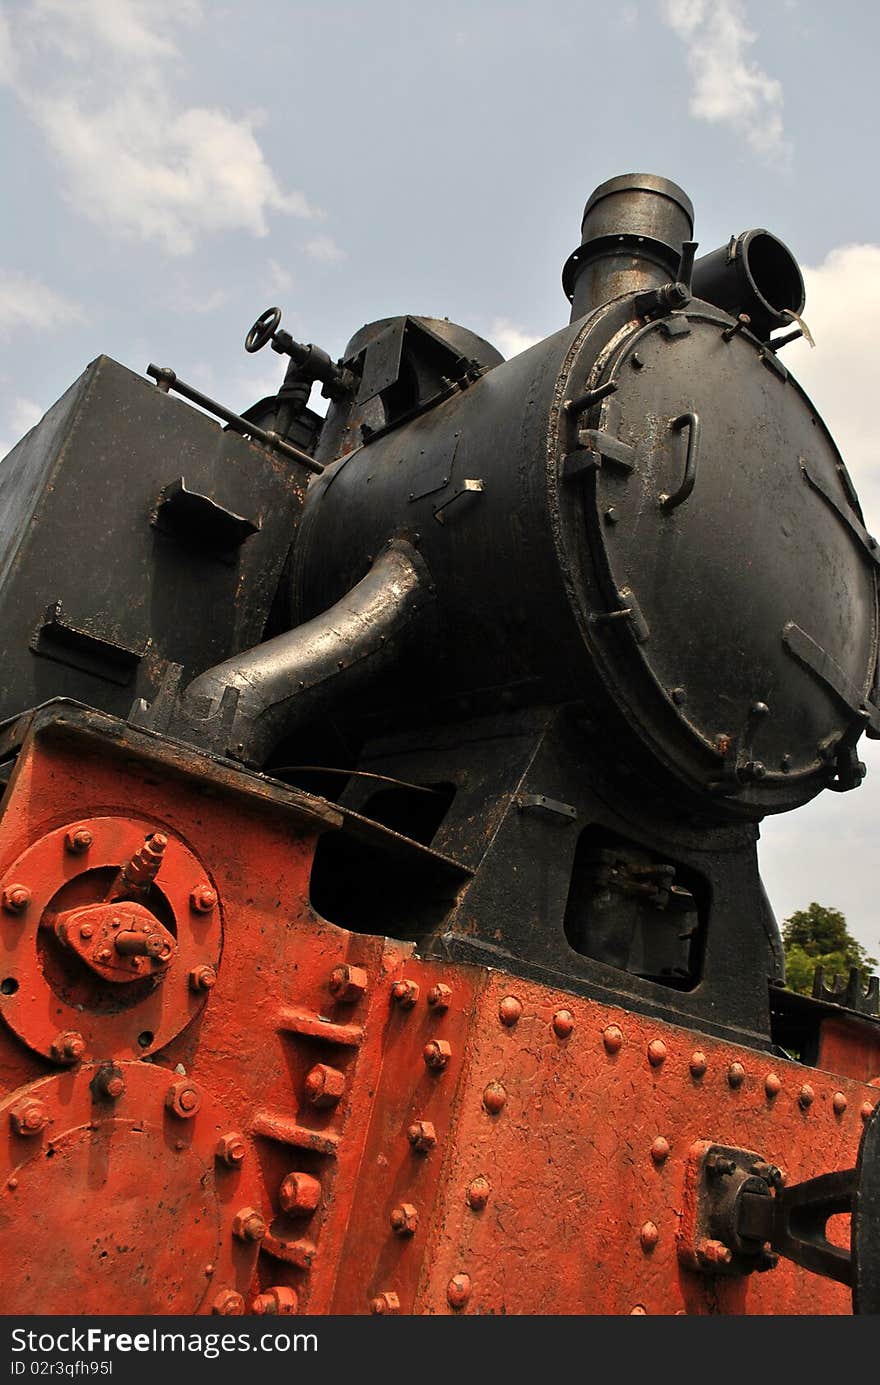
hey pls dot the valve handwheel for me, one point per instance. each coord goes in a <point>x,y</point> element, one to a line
<point>263,330</point>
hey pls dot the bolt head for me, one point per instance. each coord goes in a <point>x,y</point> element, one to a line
<point>231,1149</point>
<point>698,1063</point>
<point>510,1011</point>
<point>405,993</point>
<point>68,1047</point>
<point>806,1097</point>
<point>280,1301</point>
<point>202,977</point>
<point>78,840</point>
<point>736,1075</point>
<point>109,1082</point>
<point>422,1136</point>
<point>660,1150</point>
<point>494,1098</point>
<point>772,1085</point>
<point>183,1098</point>
<point>437,1053</point>
<point>249,1225</point>
<point>648,1236</point>
<point>16,898</point>
<point>385,1304</point>
<point>202,899</point>
<point>405,1219</point>
<point>866,1110</point>
<point>228,1304</point>
<point>458,1290</point>
<point>348,984</point>
<point>324,1085</point>
<point>86,931</point>
<point>839,1103</point>
<point>656,1052</point>
<point>612,1038</point>
<point>563,1023</point>
<point>439,997</point>
<point>299,1194</point>
<point>28,1116</point>
<point>713,1253</point>
<point>478,1193</point>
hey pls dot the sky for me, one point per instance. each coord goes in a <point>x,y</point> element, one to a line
<point>173,167</point>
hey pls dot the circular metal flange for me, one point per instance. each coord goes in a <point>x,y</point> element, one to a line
<point>47,990</point>
<point>119,1205</point>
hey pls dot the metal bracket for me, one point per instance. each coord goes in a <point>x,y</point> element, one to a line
<point>547,807</point>
<point>844,514</point>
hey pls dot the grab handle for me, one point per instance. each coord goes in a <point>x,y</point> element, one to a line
<point>691,421</point>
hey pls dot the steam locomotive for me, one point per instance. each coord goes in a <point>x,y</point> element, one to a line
<point>381,922</point>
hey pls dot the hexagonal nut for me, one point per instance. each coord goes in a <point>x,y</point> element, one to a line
<point>228,1304</point>
<point>387,1303</point>
<point>249,1225</point>
<point>277,1300</point>
<point>405,993</point>
<point>203,899</point>
<point>231,1149</point>
<point>16,898</point>
<point>28,1116</point>
<point>347,983</point>
<point>68,1047</point>
<point>78,840</point>
<point>299,1194</point>
<point>324,1085</point>
<point>437,1053</point>
<point>203,977</point>
<point>439,996</point>
<point>405,1219</point>
<point>183,1098</point>
<point>422,1136</point>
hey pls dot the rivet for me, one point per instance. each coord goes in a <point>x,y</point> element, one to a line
<point>660,1150</point>
<point>510,1010</point>
<point>638,1311</point>
<point>866,1110</point>
<point>679,695</point>
<point>439,997</point>
<point>387,1303</point>
<point>649,1236</point>
<point>324,1085</point>
<point>612,1038</point>
<point>563,1023</point>
<point>478,1193</point>
<point>105,955</point>
<point>202,899</point>
<point>16,898</point>
<point>494,1098</point>
<point>78,840</point>
<point>248,1225</point>
<point>12,1183</point>
<point>209,1270</point>
<point>839,1103</point>
<point>772,1085</point>
<point>458,1290</point>
<point>404,1219</point>
<point>68,1047</point>
<point>405,993</point>
<point>299,1194</point>
<point>736,1075</point>
<point>656,1052</point>
<point>698,1063</point>
<point>437,1053</point>
<point>422,1136</point>
<point>347,983</point>
<point>86,931</point>
<point>228,1304</point>
<point>806,1096</point>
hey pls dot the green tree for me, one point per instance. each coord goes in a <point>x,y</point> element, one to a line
<point>819,937</point>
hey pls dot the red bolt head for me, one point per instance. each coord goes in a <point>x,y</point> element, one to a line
<point>202,977</point>
<point>839,1102</point>
<point>698,1063</point>
<point>16,898</point>
<point>324,1085</point>
<point>736,1075</point>
<point>437,1053</point>
<point>281,1301</point>
<point>649,1236</point>
<point>458,1290</point>
<point>439,996</point>
<point>248,1225</point>
<point>660,1150</point>
<point>806,1096</point>
<point>28,1116</point>
<point>109,1082</point>
<point>86,931</point>
<point>866,1110</point>
<point>183,1099</point>
<point>78,840</point>
<point>405,993</point>
<point>348,983</point>
<point>299,1194</point>
<point>422,1136</point>
<point>656,1052</point>
<point>202,899</point>
<point>509,1011</point>
<point>231,1149</point>
<point>68,1047</point>
<point>772,1084</point>
<point>494,1098</point>
<point>405,1219</point>
<point>478,1193</point>
<point>387,1303</point>
<point>228,1304</point>
<point>563,1023</point>
<point>612,1038</point>
<point>713,1253</point>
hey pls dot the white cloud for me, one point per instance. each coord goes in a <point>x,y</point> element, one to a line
<point>29,304</point>
<point>97,77</point>
<point>728,89</point>
<point>509,338</point>
<point>279,279</point>
<point>324,248</point>
<point>23,414</point>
